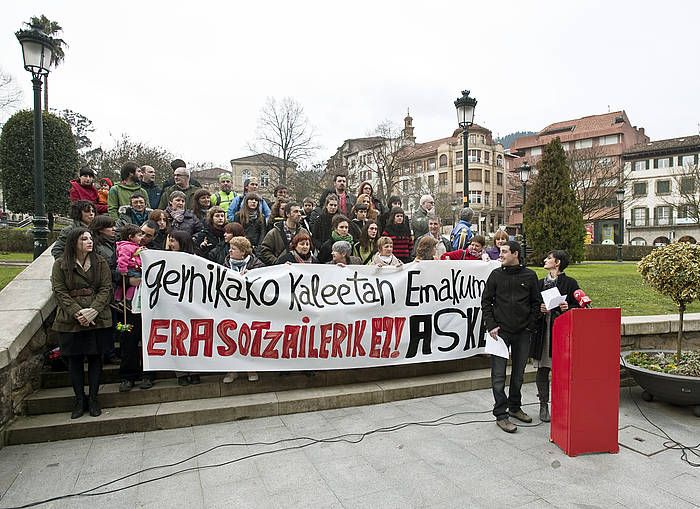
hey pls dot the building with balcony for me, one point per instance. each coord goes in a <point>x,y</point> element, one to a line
<point>594,146</point>
<point>662,194</point>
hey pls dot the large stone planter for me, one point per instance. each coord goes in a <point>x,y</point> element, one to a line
<point>675,389</point>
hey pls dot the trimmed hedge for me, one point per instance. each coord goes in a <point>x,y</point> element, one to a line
<point>594,252</point>
<point>21,241</point>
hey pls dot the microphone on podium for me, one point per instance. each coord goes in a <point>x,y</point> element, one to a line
<point>583,300</point>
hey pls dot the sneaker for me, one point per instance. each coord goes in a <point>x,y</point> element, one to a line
<point>195,380</point>
<point>126,386</point>
<point>520,415</point>
<point>253,376</point>
<point>506,425</point>
<point>544,412</point>
<point>184,380</point>
<point>230,377</point>
<point>146,383</point>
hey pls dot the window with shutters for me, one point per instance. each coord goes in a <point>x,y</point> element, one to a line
<point>662,215</point>
<point>688,160</point>
<point>608,140</point>
<point>443,160</point>
<point>499,178</point>
<point>662,162</point>
<point>458,157</point>
<point>487,157</point>
<point>487,176</point>
<point>474,175</point>
<point>641,165</point>
<point>487,198</point>
<point>583,143</point>
<point>442,178</point>
<point>264,178</point>
<point>536,151</point>
<point>640,216</point>
<point>459,177</point>
<point>499,201</point>
<point>687,214</point>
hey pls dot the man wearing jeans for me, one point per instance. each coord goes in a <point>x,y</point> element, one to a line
<point>510,304</point>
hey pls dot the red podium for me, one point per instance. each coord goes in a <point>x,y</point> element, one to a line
<point>586,381</point>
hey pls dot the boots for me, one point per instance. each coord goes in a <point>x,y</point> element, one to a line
<point>542,382</point>
<point>94,407</point>
<point>78,407</point>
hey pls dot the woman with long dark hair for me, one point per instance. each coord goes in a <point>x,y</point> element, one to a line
<point>341,231</point>
<point>82,286</point>
<point>323,225</point>
<point>252,219</point>
<point>398,230</point>
<point>541,344</point>
<point>81,213</point>
<point>206,241</point>
<point>104,238</point>
<point>202,203</point>
<point>366,247</point>
<point>179,241</point>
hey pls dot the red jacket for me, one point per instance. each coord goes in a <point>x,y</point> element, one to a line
<point>460,254</point>
<point>88,193</point>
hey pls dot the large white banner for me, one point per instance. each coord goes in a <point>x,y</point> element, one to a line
<point>200,316</point>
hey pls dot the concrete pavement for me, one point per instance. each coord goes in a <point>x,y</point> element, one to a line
<point>470,465</point>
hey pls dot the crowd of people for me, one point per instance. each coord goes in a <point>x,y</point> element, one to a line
<point>98,263</point>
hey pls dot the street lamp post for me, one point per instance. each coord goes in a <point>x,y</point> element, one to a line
<point>465,117</point>
<point>524,171</point>
<point>620,196</point>
<point>37,51</point>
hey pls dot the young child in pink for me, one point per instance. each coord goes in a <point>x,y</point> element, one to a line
<point>129,258</point>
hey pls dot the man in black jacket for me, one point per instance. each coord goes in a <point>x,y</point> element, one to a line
<point>511,306</point>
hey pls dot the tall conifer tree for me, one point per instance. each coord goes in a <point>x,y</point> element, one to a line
<point>552,217</point>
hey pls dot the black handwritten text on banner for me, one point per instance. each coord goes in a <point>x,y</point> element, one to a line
<point>199,316</point>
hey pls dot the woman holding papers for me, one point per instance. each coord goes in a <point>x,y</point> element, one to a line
<point>541,344</point>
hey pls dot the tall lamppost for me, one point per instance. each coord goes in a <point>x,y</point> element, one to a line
<point>620,196</point>
<point>465,117</point>
<point>37,51</point>
<point>524,171</point>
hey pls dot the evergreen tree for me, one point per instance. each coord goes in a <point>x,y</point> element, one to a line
<point>17,162</point>
<point>552,217</point>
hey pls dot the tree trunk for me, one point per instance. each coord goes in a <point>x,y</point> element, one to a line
<point>681,310</point>
<point>46,93</point>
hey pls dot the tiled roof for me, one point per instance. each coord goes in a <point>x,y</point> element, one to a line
<point>672,145</point>
<point>570,130</point>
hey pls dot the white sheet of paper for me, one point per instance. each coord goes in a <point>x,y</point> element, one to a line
<point>496,347</point>
<point>552,298</point>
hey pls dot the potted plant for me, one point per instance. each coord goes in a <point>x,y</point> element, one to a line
<point>674,271</point>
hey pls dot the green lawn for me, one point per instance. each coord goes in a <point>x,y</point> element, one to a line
<point>16,257</point>
<point>7,274</point>
<point>620,285</point>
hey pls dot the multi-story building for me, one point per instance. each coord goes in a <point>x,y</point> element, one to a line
<point>594,146</point>
<point>662,192</point>
<point>396,165</point>
<point>209,178</point>
<point>264,167</point>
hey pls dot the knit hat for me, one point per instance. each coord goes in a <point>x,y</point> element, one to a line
<point>87,171</point>
<point>225,176</point>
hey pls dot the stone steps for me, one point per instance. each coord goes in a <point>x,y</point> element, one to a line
<point>168,405</point>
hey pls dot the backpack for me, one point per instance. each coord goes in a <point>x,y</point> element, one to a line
<point>460,236</point>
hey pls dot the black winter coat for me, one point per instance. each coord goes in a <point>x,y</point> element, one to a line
<point>567,286</point>
<point>511,300</point>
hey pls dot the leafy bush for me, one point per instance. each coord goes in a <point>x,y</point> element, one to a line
<point>674,271</point>
<point>20,240</point>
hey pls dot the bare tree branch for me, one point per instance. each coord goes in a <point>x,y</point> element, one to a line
<point>10,93</point>
<point>595,176</point>
<point>284,133</point>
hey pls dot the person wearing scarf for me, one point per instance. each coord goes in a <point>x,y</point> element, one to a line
<point>365,248</point>
<point>474,251</point>
<point>341,231</point>
<point>299,250</point>
<point>385,254</point>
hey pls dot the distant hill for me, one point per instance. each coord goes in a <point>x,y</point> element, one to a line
<point>508,139</point>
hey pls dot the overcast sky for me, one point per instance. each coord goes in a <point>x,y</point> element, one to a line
<point>192,78</point>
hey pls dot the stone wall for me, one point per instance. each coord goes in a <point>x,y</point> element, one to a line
<point>27,308</point>
<point>26,313</point>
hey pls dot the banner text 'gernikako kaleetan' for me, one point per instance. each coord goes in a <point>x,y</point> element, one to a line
<point>200,316</point>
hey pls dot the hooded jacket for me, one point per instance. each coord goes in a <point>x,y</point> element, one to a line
<point>79,192</point>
